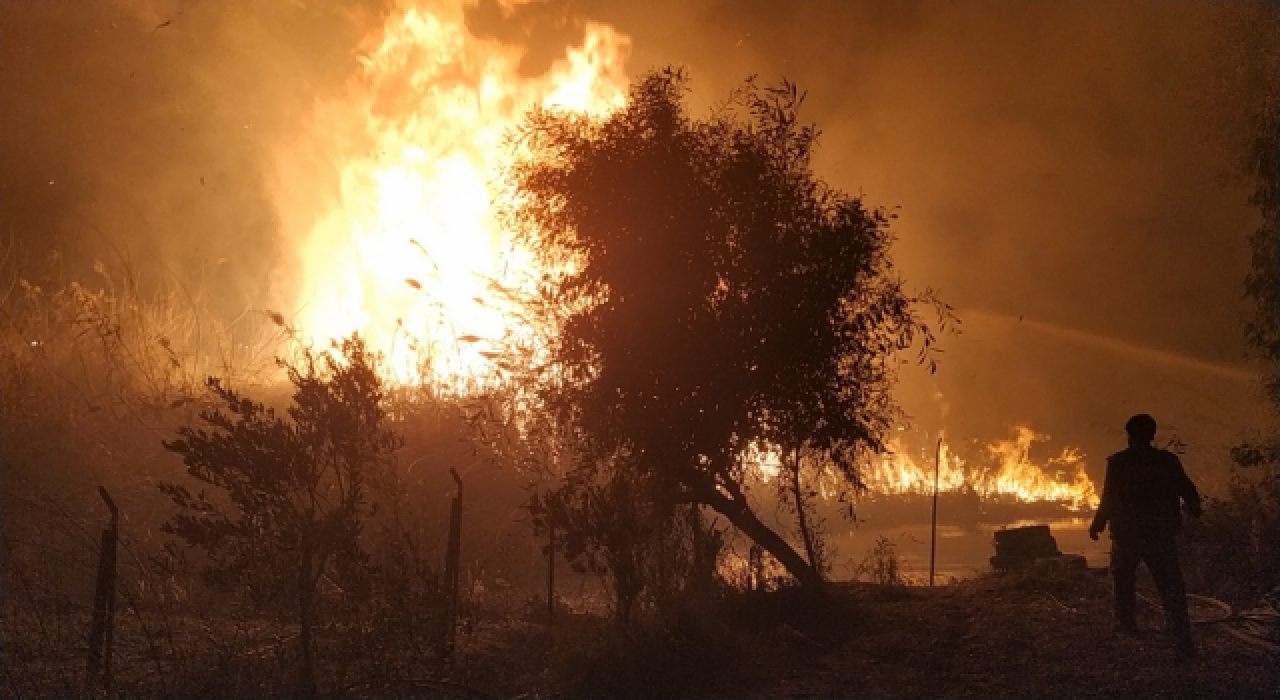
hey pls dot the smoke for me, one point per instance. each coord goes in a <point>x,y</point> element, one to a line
<point>547,30</point>
<point>1072,165</point>
<point>143,128</point>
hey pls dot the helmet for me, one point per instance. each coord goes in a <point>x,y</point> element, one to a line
<point>1141,427</point>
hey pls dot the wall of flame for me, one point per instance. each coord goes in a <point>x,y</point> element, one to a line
<point>385,203</point>
<point>1003,469</point>
<point>386,200</point>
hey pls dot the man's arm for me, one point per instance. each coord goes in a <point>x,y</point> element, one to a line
<point>1187,491</point>
<point>1105,506</point>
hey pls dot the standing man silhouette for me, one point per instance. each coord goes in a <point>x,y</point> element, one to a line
<point>1140,500</point>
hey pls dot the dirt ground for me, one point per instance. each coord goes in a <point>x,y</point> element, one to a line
<point>1023,637</point>
<point>976,640</point>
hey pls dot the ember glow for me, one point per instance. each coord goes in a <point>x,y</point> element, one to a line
<point>408,249</point>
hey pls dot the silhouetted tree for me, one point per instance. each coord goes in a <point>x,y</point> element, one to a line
<point>1263,281</point>
<point>798,490</point>
<point>711,292</point>
<point>1231,549</point>
<point>292,492</point>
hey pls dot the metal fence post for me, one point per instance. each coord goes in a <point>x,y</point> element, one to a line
<point>451,564</point>
<point>102,628</point>
<point>551,570</point>
<point>933,520</point>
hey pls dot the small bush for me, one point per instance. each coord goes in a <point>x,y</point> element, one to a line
<point>881,564</point>
<point>1230,551</point>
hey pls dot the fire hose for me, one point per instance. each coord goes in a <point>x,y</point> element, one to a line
<point>1255,627</point>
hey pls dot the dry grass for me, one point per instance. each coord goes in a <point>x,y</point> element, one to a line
<point>92,379</point>
<point>1037,636</point>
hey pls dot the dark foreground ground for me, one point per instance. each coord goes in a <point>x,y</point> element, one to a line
<point>1025,637</point>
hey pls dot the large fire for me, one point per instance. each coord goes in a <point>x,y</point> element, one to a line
<point>408,250</point>
<point>405,248</point>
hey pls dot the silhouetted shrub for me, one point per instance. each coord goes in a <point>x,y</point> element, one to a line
<point>1231,550</point>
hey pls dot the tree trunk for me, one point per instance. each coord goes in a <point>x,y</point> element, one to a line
<point>627,587</point>
<point>623,610</point>
<point>306,594</point>
<point>738,513</point>
<point>802,518</point>
<point>703,564</point>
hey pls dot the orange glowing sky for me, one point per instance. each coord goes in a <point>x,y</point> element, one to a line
<point>1068,172</point>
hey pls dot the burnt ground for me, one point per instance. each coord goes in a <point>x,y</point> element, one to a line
<point>1046,636</point>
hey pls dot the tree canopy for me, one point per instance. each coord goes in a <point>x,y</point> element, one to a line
<point>1262,284</point>
<point>711,292</point>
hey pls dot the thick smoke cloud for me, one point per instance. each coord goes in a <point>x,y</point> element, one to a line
<point>144,128</point>
<point>1066,172</point>
<point>1068,177</point>
<point>546,29</point>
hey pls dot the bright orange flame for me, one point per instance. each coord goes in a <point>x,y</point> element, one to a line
<point>1007,473</point>
<point>408,247</point>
